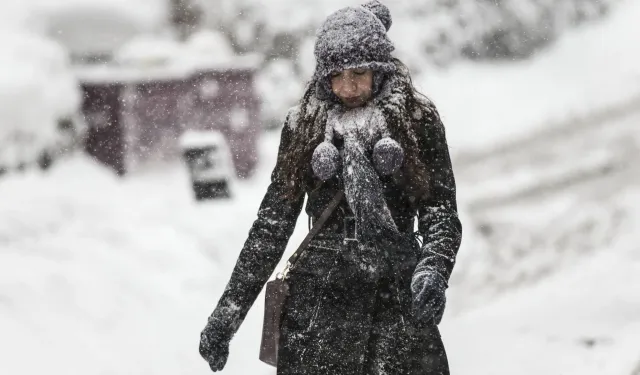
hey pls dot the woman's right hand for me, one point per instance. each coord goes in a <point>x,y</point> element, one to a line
<point>214,347</point>
<point>428,289</point>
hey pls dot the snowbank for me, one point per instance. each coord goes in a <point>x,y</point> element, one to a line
<point>80,294</point>
<point>93,278</point>
<point>99,274</point>
<point>585,320</point>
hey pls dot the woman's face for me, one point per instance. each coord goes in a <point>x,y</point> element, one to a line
<point>353,86</point>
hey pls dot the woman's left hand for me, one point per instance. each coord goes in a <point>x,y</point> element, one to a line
<point>428,290</point>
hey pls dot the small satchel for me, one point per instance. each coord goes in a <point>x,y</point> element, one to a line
<point>277,291</point>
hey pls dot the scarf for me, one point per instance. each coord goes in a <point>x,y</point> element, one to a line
<point>361,128</point>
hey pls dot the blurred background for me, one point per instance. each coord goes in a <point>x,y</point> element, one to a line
<point>137,139</point>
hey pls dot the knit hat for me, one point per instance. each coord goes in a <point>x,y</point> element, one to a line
<point>354,37</point>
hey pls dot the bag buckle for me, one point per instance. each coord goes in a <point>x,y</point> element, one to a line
<point>282,275</point>
<point>350,230</point>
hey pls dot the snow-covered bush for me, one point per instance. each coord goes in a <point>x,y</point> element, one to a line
<point>425,33</point>
<point>441,30</point>
<point>506,29</point>
<point>39,98</point>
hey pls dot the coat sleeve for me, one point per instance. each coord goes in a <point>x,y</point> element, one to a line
<point>263,249</point>
<point>438,221</point>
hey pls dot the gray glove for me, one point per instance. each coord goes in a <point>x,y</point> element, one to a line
<point>214,346</point>
<point>428,290</point>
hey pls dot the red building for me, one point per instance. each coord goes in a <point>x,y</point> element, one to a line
<point>136,116</point>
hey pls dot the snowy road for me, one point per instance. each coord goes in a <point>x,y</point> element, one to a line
<point>543,202</point>
<point>584,320</point>
<point>560,213</point>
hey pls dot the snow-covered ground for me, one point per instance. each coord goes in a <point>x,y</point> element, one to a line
<point>584,320</point>
<point>109,276</point>
<point>106,276</point>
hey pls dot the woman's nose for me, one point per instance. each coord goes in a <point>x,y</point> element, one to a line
<point>348,86</point>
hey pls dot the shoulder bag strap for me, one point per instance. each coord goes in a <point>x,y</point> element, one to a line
<point>316,227</point>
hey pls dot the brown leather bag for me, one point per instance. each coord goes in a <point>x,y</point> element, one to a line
<point>277,291</point>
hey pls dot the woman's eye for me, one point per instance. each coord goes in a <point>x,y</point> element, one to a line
<point>359,72</point>
<point>337,74</point>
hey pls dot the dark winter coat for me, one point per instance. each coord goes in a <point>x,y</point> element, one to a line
<point>339,319</point>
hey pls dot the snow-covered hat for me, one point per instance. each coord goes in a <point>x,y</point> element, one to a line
<point>354,37</point>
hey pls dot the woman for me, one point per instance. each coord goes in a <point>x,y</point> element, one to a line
<point>364,298</point>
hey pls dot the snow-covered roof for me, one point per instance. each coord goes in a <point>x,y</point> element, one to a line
<point>147,49</point>
<point>210,42</point>
<point>153,58</point>
<point>130,74</point>
<point>156,71</point>
<point>97,26</point>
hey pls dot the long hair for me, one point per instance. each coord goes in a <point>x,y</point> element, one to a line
<point>404,125</point>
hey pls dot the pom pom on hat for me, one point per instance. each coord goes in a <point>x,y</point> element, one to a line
<point>380,11</point>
